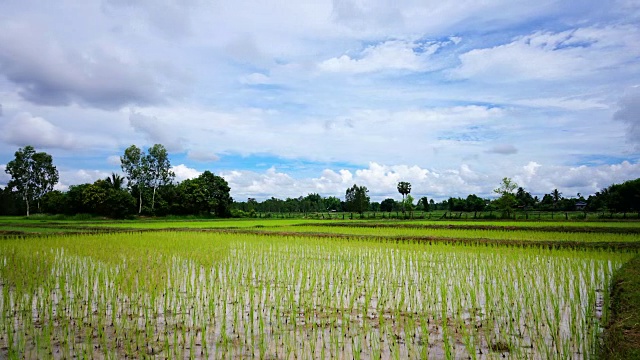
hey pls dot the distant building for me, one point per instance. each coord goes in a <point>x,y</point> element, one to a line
<point>581,205</point>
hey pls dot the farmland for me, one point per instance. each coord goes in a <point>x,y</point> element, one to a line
<point>297,288</point>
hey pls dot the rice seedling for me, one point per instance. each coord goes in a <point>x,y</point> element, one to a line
<point>178,294</point>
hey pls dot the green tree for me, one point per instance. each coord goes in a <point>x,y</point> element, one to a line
<point>507,200</point>
<point>387,205</point>
<point>557,196</point>
<point>115,181</point>
<point>474,203</point>
<point>54,202</point>
<point>157,168</point>
<point>332,203</point>
<point>132,164</point>
<point>423,203</point>
<point>407,203</point>
<point>357,199</point>
<point>32,174</point>
<point>524,198</point>
<point>206,194</point>
<point>404,188</point>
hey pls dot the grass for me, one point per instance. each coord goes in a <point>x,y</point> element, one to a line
<point>622,336</point>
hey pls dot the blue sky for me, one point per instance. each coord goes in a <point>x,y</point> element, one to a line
<point>288,98</point>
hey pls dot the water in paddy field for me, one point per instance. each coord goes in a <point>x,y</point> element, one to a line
<point>279,300</point>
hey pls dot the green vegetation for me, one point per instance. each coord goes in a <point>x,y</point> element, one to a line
<point>622,340</point>
<point>32,175</point>
<point>298,288</point>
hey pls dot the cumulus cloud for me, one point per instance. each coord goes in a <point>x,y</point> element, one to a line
<point>184,172</point>
<point>79,176</point>
<point>49,73</point>
<point>542,179</point>
<point>629,114</point>
<point>381,180</point>
<point>503,149</point>
<point>26,129</point>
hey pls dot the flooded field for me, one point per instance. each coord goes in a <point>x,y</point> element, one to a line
<point>219,295</point>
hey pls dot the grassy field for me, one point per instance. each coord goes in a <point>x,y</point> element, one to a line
<point>300,288</point>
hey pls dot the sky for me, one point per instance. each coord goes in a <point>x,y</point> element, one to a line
<point>285,98</point>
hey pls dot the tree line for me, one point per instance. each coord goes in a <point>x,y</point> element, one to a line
<point>147,187</point>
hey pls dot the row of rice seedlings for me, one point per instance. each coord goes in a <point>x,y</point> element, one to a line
<point>298,297</point>
<point>495,234</point>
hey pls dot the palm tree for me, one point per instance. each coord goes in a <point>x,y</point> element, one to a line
<point>404,188</point>
<point>115,181</point>
<point>557,195</point>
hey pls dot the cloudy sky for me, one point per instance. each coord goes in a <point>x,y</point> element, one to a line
<point>285,98</point>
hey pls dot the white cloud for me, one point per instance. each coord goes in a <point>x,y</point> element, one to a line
<point>389,55</point>
<point>80,176</point>
<point>382,180</point>
<point>421,89</point>
<point>26,129</point>
<point>552,56</point>
<point>255,79</point>
<point>184,172</point>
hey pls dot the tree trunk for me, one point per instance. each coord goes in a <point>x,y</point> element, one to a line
<point>140,201</point>
<point>153,199</point>
<point>27,202</point>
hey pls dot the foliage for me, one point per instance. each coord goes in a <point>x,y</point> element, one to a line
<point>357,199</point>
<point>423,203</point>
<point>132,165</point>
<point>158,169</point>
<point>404,188</point>
<point>408,202</point>
<point>388,205</point>
<point>507,200</point>
<point>622,335</point>
<point>208,193</point>
<point>32,174</point>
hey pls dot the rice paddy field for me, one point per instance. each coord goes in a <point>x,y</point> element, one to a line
<point>300,289</point>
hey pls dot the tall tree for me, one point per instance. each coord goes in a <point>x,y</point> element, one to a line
<point>158,169</point>
<point>424,203</point>
<point>507,199</point>
<point>32,174</point>
<point>557,196</point>
<point>132,164</point>
<point>404,188</point>
<point>357,199</point>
